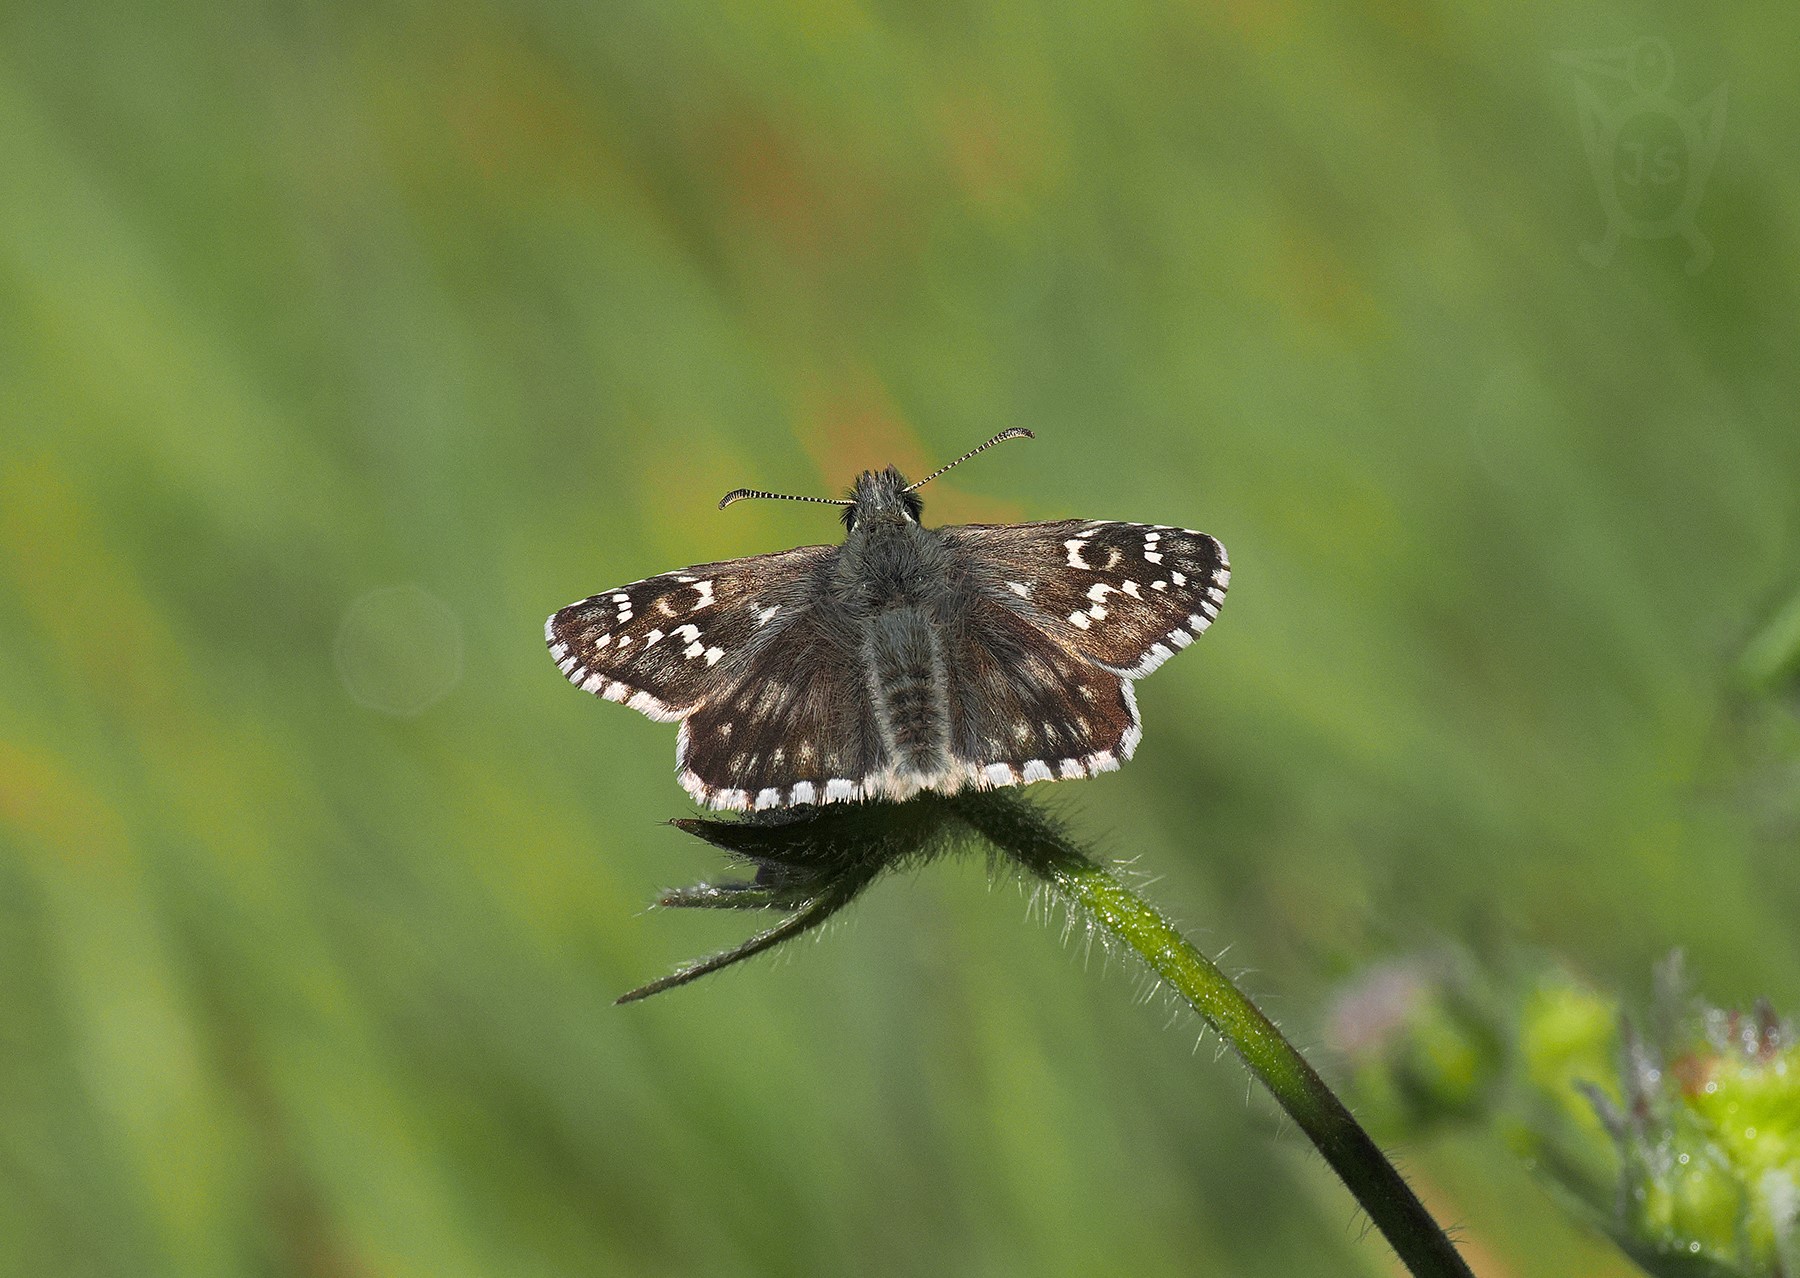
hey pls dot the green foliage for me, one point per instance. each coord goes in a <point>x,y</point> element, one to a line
<point>1418,1052</point>
<point>1684,1145</point>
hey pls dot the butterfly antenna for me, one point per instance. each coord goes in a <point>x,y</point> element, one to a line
<point>1017,432</point>
<point>741,494</point>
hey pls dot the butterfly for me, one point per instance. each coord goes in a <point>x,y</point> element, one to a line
<point>906,659</point>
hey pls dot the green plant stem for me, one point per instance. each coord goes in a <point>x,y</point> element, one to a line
<point>1020,831</point>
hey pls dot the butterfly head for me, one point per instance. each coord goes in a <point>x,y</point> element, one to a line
<point>882,495</point>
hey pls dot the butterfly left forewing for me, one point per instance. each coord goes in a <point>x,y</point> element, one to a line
<point>667,644</point>
<point>1128,596</point>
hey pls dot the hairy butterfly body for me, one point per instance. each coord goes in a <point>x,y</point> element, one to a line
<point>905,659</point>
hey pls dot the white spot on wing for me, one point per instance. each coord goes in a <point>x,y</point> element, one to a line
<point>1079,620</point>
<point>1135,733</point>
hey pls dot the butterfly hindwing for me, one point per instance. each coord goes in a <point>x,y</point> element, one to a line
<point>1127,596</point>
<point>794,726</point>
<point>797,724</point>
<point>667,644</point>
<point>1024,710</point>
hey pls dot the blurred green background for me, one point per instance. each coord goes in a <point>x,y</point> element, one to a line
<point>340,343</point>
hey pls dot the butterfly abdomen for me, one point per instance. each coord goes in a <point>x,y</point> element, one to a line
<point>904,667</point>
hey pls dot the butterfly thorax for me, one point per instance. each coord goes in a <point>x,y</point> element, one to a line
<point>889,560</point>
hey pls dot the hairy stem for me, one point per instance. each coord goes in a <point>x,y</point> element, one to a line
<point>1023,833</point>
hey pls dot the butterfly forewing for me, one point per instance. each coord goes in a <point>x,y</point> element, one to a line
<point>1127,596</point>
<point>667,644</point>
